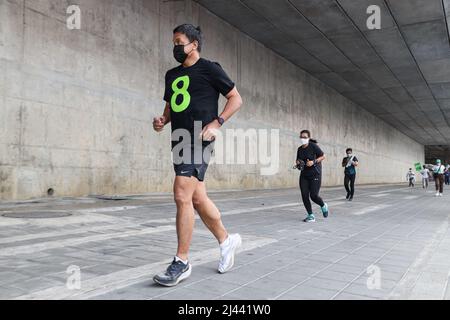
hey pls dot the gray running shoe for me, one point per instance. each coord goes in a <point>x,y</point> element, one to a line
<point>176,272</point>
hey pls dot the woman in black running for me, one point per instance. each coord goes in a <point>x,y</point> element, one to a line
<point>309,158</point>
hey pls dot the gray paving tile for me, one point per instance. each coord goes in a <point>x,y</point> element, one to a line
<point>7,292</point>
<point>354,270</point>
<point>271,286</point>
<point>250,293</point>
<point>186,294</point>
<point>306,264</point>
<point>242,276</point>
<point>363,290</point>
<point>391,268</point>
<point>105,268</point>
<point>213,286</point>
<point>349,296</point>
<point>35,284</point>
<point>308,293</point>
<point>291,277</point>
<point>9,277</point>
<point>334,275</point>
<point>140,291</point>
<point>325,283</point>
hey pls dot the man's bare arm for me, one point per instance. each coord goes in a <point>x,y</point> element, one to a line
<point>166,113</point>
<point>234,102</point>
<point>160,122</point>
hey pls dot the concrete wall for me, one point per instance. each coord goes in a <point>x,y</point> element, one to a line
<point>76,105</point>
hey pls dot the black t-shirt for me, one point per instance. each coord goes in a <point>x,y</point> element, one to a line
<point>351,168</point>
<point>311,152</point>
<point>193,93</point>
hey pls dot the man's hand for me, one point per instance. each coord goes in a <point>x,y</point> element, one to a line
<point>309,163</point>
<point>159,123</point>
<point>209,132</point>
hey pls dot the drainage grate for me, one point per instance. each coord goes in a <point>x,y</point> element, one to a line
<point>36,214</point>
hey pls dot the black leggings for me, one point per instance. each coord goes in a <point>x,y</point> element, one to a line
<point>310,187</point>
<point>350,180</point>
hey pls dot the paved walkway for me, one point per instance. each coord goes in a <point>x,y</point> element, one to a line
<point>389,243</point>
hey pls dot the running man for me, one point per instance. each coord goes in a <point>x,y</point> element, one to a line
<point>425,177</point>
<point>438,174</point>
<point>191,93</point>
<point>309,158</point>
<point>350,162</point>
<point>411,177</point>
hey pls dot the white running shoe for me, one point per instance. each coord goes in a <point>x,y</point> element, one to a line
<point>227,251</point>
<point>437,194</point>
<point>440,194</point>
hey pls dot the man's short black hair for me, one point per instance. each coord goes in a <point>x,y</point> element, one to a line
<point>348,149</point>
<point>191,32</point>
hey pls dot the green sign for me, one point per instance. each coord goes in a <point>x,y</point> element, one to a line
<point>418,166</point>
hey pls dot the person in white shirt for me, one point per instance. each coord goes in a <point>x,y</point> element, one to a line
<point>438,174</point>
<point>425,177</point>
<point>411,177</point>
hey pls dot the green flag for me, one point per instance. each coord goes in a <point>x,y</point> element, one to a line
<point>418,166</point>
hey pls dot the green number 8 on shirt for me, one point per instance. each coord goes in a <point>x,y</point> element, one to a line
<point>180,91</point>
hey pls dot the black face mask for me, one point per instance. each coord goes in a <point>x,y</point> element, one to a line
<point>178,52</point>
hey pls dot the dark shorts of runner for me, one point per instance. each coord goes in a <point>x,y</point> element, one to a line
<point>189,170</point>
<point>196,166</point>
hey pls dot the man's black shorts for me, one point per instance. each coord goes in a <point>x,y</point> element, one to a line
<point>195,166</point>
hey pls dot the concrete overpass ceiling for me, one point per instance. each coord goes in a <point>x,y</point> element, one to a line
<point>437,152</point>
<point>401,73</point>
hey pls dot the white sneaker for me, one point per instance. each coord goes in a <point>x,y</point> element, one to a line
<point>440,194</point>
<point>437,194</point>
<point>227,252</point>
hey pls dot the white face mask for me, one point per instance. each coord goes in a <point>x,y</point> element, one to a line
<point>304,141</point>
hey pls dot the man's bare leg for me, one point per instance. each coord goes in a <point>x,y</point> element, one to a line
<point>183,189</point>
<point>209,213</point>
<point>210,216</point>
